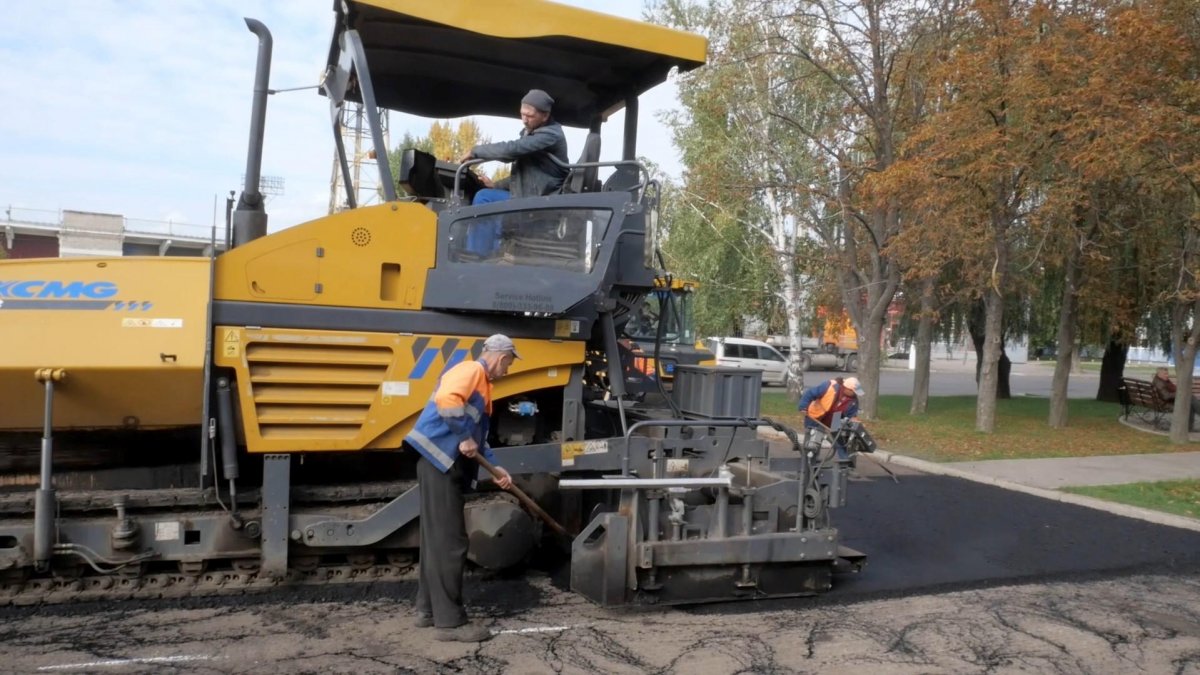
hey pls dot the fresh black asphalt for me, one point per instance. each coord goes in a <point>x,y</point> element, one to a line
<point>929,532</point>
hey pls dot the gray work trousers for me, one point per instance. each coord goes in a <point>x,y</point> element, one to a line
<point>443,544</point>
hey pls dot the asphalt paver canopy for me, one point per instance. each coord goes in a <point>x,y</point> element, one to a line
<point>454,58</point>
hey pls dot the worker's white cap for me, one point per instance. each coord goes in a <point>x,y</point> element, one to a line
<point>853,385</point>
<point>500,343</point>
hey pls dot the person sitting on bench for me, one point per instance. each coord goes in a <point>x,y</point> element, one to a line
<point>1164,388</point>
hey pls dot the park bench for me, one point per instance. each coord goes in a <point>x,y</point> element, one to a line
<point>1139,398</point>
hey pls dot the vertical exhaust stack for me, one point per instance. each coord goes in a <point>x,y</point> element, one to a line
<point>250,217</point>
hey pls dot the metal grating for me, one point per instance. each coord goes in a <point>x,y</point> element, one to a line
<point>307,391</point>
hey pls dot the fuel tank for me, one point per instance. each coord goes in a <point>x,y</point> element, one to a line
<point>128,332</point>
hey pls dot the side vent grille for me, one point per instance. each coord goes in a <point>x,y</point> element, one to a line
<point>307,391</point>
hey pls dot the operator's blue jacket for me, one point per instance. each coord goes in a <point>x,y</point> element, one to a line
<point>460,408</point>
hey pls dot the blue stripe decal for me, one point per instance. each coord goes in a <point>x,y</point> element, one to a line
<point>54,304</point>
<point>455,358</point>
<point>423,364</point>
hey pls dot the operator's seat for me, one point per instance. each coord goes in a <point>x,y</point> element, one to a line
<point>419,175</point>
<point>429,179</point>
<point>625,177</point>
<point>585,179</point>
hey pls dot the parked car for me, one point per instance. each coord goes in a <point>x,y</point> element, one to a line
<point>751,355</point>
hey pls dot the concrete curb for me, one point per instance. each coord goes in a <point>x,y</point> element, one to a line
<point>1148,515</point>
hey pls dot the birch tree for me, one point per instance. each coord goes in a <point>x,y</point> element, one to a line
<point>862,50</point>
<point>746,168</point>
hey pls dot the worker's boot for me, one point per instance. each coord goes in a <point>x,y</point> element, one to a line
<point>423,620</point>
<point>468,632</point>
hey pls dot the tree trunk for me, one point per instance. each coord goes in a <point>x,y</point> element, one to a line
<point>1112,369</point>
<point>978,330</point>
<point>989,374</point>
<point>1067,315</point>
<point>869,312</point>
<point>1185,327</point>
<point>1003,373</point>
<point>924,345</point>
<point>790,293</point>
<point>1183,343</point>
<point>795,381</point>
<point>1181,417</point>
<point>869,360</point>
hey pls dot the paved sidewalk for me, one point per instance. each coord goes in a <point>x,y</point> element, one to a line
<point>1059,472</point>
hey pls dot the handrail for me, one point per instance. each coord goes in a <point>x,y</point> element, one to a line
<point>644,483</point>
<point>643,174</point>
<point>458,174</point>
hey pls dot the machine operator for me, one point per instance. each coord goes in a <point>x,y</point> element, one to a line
<point>533,172</point>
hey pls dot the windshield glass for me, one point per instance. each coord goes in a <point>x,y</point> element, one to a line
<point>678,327</point>
<point>567,239</point>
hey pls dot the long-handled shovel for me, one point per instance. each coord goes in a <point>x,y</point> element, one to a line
<point>524,498</point>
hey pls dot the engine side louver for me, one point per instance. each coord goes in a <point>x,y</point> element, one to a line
<point>314,391</point>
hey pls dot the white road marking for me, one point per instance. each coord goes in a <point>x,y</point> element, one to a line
<point>127,662</point>
<point>534,629</point>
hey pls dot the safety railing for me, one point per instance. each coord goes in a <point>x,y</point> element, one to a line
<point>53,219</point>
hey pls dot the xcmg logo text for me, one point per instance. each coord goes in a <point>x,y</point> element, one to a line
<point>31,290</point>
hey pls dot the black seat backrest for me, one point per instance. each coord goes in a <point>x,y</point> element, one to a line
<point>426,177</point>
<point>419,175</point>
<point>585,180</point>
<point>625,177</point>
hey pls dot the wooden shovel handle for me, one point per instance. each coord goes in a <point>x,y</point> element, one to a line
<point>524,498</point>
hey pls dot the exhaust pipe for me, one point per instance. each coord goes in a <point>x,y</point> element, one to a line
<point>250,218</point>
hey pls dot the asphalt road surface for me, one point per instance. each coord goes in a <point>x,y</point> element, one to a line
<point>961,578</point>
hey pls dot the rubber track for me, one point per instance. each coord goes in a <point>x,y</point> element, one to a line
<point>168,585</point>
<point>21,503</point>
<point>175,585</point>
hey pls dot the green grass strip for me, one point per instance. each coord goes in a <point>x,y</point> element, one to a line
<point>946,433</point>
<point>1180,497</point>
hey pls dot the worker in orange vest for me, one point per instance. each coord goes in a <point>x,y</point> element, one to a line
<point>822,402</point>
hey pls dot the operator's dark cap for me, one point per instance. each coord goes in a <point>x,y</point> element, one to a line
<point>500,343</point>
<point>539,99</point>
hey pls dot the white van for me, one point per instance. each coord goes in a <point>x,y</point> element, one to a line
<point>751,355</point>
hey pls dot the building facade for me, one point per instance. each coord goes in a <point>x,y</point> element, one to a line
<point>34,233</point>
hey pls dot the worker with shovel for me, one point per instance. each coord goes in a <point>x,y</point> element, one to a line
<point>821,403</point>
<point>451,436</point>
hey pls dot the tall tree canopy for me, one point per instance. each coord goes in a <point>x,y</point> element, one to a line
<point>1034,158</point>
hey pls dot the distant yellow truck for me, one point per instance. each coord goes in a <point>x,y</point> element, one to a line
<point>835,347</point>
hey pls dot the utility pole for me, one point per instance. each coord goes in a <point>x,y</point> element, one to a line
<point>356,139</point>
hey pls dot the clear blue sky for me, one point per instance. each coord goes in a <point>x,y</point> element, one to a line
<point>141,107</point>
